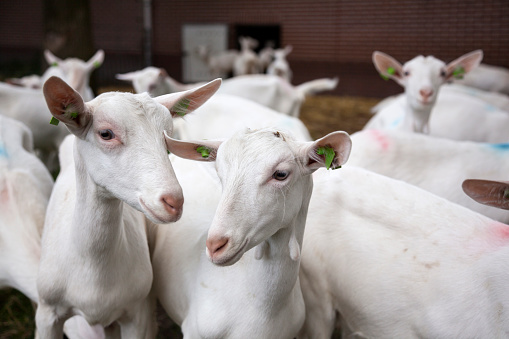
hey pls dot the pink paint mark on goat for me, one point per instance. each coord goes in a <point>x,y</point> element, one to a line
<point>4,195</point>
<point>501,231</point>
<point>381,139</point>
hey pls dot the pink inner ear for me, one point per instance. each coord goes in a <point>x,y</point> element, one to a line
<point>383,62</point>
<point>190,149</point>
<point>468,61</point>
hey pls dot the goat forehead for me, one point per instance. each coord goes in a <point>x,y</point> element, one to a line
<point>73,63</point>
<point>129,104</point>
<point>145,77</point>
<point>152,71</point>
<point>425,63</point>
<point>255,152</point>
<point>131,110</point>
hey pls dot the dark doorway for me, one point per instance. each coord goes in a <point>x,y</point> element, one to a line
<point>267,35</point>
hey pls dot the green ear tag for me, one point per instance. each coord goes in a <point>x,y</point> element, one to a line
<point>97,64</point>
<point>54,121</point>
<point>329,155</point>
<point>205,152</point>
<point>458,72</point>
<point>390,71</point>
<point>55,64</point>
<point>74,115</point>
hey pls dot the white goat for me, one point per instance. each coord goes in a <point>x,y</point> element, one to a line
<point>266,186</point>
<point>265,55</point>
<point>35,81</point>
<point>421,77</point>
<point>247,61</point>
<point>30,81</point>
<point>280,66</point>
<point>77,72</point>
<point>496,99</point>
<point>499,100</point>
<point>94,235</point>
<point>488,78</point>
<point>220,63</point>
<point>398,262</point>
<point>275,92</point>
<point>25,188</point>
<point>155,81</point>
<point>435,164</point>
<point>28,106</point>
<point>456,116</point>
<point>268,90</point>
<point>223,115</point>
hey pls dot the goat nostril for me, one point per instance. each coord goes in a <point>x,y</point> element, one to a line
<point>173,205</point>
<point>216,245</point>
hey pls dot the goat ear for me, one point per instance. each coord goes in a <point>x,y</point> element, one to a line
<point>331,151</point>
<point>491,193</point>
<point>14,81</point>
<point>163,73</point>
<point>388,67</point>
<point>66,105</point>
<point>288,49</point>
<point>126,76</point>
<point>51,59</point>
<point>193,150</point>
<point>464,64</point>
<point>96,60</point>
<point>182,103</point>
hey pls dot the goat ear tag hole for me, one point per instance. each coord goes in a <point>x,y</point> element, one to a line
<point>506,193</point>
<point>182,106</point>
<point>73,115</point>
<point>205,152</point>
<point>329,154</point>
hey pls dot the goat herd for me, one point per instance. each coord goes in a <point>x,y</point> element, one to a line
<point>266,244</point>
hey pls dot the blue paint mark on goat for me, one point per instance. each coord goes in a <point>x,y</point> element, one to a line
<point>3,151</point>
<point>500,147</point>
<point>490,108</point>
<point>396,122</point>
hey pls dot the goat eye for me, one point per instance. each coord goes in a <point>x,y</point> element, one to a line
<point>407,73</point>
<point>442,74</point>
<point>106,134</point>
<point>280,175</point>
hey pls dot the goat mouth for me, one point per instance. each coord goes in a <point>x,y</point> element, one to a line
<point>425,102</point>
<point>154,216</point>
<point>231,259</point>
